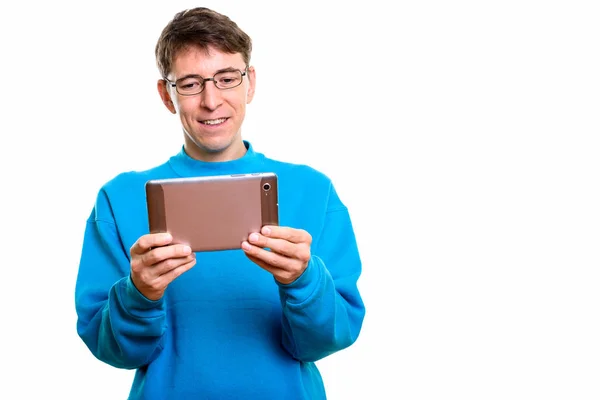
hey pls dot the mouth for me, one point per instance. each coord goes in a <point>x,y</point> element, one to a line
<point>213,122</point>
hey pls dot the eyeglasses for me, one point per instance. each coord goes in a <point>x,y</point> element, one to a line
<point>194,84</point>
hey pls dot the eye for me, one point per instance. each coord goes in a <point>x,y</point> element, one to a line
<point>228,79</point>
<point>189,84</point>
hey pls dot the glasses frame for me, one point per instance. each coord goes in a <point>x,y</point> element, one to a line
<point>204,80</point>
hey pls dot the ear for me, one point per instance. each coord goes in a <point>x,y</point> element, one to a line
<point>163,91</point>
<point>251,84</point>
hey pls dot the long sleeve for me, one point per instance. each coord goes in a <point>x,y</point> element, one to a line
<point>322,309</point>
<point>118,324</point>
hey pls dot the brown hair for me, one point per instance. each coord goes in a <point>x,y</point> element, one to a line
<point>200,27</point>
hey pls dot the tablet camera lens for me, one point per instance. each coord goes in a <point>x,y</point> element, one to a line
<point>267,187</point>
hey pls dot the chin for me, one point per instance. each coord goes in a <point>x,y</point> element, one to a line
<point>213,145</point>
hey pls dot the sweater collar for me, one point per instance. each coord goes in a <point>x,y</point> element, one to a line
<point>186,166</point>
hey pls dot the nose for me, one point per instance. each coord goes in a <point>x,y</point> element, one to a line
<point>211,96</point>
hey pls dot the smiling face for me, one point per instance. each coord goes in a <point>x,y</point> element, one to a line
<point>211,120</point>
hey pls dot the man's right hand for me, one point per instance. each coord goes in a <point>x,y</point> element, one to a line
<point>155,263</point>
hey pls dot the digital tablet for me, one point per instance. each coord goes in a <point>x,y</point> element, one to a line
<point>214,212</point>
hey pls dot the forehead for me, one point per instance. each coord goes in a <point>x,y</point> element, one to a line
<point>204,62</point>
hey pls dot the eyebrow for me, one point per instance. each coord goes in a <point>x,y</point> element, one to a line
<point>228,69</point>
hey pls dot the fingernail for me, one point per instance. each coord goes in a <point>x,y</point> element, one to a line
<point>245,246</point>
<point>167,236</point>
<point>253,237</point>
<point>187,250</point>
<point>266,231</point>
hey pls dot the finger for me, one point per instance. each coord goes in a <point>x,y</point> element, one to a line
<point>299,251</point>
<point>146,242</point>
<point>160,254</point>
<point>285,269</point>
<point>281,275</point>
<point>172,274</point>
<point>273,259</point>
<point>290,234</point>
<point>265,242</point>
<point>154,287</point>
<point>170,264</point>
<point>262,264</point>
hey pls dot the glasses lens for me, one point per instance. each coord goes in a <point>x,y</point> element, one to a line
<point>228,79</point>
<point>189,86</point>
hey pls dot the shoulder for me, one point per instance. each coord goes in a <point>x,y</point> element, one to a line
<point>133,180</point>
<point>301,173</point>
<point>305,182</point>
<point>124,193</point>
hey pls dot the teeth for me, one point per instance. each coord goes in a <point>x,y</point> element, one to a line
<point>214,121</point>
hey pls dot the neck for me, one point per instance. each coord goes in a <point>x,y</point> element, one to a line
<point>232,152</point>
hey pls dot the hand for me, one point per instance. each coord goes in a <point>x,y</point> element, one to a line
<point>289,251</point>
<point>155,263</point>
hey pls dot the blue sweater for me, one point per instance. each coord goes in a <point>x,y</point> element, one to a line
<point>226,329</point>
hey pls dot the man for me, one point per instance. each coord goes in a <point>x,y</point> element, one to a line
<point>234,324</point>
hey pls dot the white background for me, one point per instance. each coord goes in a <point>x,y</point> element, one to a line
<point>462,135</point>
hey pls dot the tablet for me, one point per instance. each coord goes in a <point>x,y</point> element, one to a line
<point>213,212</point>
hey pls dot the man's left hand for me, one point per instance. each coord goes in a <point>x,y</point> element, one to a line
<point>282,251</point>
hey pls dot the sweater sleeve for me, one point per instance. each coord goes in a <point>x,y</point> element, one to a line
<point>116,322</point>
<point>323,310</point>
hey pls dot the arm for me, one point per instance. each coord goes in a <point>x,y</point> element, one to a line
<point>116,322</point>
<point>322,307</point>
<point>119,299</point>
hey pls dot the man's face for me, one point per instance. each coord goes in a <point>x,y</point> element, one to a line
<point>212,119</point>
